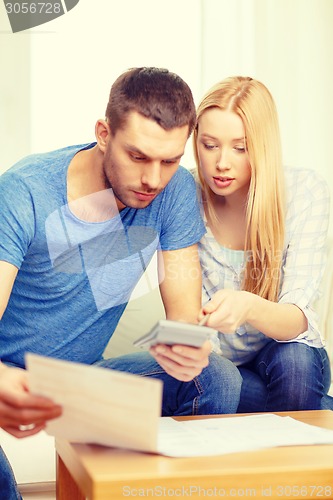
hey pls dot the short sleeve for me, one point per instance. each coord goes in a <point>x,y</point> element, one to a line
<point>182,224</point>
<point>16,219</point>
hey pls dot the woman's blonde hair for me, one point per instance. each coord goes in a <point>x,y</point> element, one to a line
<point>265,212</point>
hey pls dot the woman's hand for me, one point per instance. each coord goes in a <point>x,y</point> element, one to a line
<point>21,413</point>
<point>180,361</point>
<point>228,310</point>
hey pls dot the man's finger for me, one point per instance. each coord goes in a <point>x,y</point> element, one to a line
<point>20,433</point>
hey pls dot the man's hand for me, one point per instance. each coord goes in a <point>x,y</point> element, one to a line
<point>180,361</point>
<point>21,413</point>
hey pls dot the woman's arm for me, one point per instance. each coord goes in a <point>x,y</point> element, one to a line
<point>231,308</point>
<point>303,268</point>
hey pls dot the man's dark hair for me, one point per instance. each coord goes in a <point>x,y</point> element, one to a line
<point>156,94</point>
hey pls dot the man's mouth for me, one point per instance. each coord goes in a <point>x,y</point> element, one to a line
<point>143,196</point>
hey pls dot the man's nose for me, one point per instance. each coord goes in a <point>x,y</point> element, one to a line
<point>151,176</point>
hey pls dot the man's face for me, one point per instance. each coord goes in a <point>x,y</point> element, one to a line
<point>141,158</point>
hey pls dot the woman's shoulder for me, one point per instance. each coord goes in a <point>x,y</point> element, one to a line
<point>304,182</point>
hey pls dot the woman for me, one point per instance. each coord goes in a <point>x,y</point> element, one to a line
<point>263,255</point>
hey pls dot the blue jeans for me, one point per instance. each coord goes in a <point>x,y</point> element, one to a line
<point>8,488</point>
<point>285,377</point>
<point>216,390</point>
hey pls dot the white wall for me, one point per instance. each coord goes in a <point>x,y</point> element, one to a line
<point>288,45</point>
<point>55,78</point>
<point>15,90</point>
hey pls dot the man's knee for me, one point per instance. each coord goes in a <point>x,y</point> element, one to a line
<point>223,374</point>
<point>218,386</point>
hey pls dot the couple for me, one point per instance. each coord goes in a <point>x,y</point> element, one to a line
<point>79,225</point>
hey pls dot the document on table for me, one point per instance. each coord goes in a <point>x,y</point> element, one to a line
<point>219,436</point>
<point>113,408</point>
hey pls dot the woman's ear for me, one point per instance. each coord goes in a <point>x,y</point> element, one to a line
<point>102,133</point>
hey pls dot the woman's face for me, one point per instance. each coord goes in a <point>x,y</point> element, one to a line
<point>223,158</point>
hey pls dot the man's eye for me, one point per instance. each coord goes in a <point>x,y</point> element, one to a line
<point>170,162</point>
<point>137,157</point>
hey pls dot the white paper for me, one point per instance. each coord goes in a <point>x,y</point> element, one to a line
<point>118,409</point>
<point>100,405</point>
<point>219,436</point>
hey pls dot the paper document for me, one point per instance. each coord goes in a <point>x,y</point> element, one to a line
<point>219,436</point>
<point>100,406</point>
<point>113,408</point>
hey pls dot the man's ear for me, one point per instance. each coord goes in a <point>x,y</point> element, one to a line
<point>102,133</point>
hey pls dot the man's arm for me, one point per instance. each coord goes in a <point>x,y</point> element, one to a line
<point>17,406</point>
<point>181,283</point>
<point>181,295</point>
<point>8,274</point>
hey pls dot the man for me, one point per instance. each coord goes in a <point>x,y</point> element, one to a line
<point>78,227</point>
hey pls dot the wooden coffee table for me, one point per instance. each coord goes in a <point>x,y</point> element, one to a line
<point>101,473</point>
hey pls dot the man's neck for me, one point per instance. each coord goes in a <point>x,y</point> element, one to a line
<point>88,197</point>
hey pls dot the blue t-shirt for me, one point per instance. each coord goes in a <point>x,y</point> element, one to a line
<point>75,277</point>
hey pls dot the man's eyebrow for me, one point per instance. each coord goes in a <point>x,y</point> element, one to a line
<point>175,158</point>
<point>136,150</point>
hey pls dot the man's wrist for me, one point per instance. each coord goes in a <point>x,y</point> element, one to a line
<point>2,365</point>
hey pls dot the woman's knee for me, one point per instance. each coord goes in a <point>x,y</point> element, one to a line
<point>293,360</point>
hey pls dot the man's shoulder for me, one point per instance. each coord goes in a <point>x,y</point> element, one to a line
<point>184,172</point>
<point>36,164</point>
<point>182,180</point>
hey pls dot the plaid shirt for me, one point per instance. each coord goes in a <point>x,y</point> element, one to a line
<point>304,259</point>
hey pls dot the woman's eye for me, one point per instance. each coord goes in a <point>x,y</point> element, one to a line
<point>240,149</point>
<point>209,146</point>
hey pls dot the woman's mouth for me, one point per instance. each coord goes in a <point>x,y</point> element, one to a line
<point>222,182</point>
